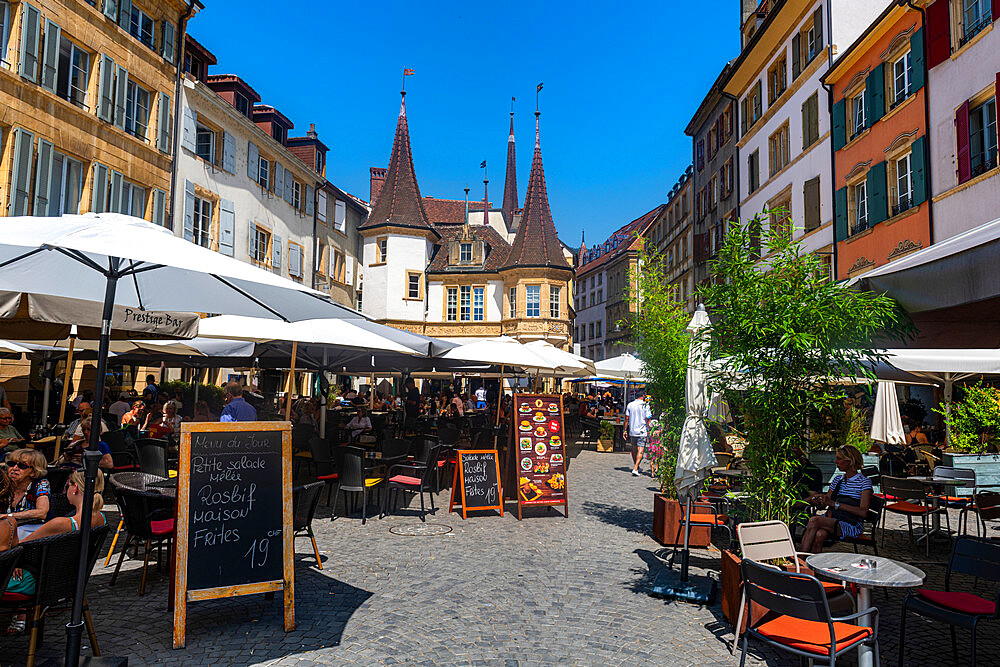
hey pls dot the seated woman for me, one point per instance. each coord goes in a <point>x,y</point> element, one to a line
<point>169,423</point>
<point>73,454</point>
<point>361,423</point>
<point>137,416</point>
<point>22,581</point>
<point>8,532</point>
<point>847,502</point>
<point>29,503</point>
<point>10,439</point>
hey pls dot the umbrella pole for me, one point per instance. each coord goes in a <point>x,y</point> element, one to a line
<point>48,388</point>
<point>291,382</point>
<point>499,397</point>
<point>197,384</point>
<point>322,399</point>
<point>67,374</point>
<point>371,393</point>
<point>91,457</point>
<point>685,552</point>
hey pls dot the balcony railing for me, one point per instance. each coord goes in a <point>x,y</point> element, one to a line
<point>904,204</point>
<point>860,226</point>
<point>984,164</point>
<point>974,29</point>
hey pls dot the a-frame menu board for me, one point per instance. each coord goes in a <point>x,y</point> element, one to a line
<point>538,451</point>
<point>234,515</point>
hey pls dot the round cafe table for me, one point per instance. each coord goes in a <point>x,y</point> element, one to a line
<point>932,485</point>
<point>886,573</point>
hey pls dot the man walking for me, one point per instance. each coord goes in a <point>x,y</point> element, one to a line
<point>637,416</point>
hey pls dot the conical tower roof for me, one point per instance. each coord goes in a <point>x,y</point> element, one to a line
<point>398,202</point>
<point>536,242</point>
<point>510,182</point>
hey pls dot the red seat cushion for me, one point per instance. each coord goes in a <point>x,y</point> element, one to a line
<point>326,477</point>
<point>967,603</point>
<point>15,597</point>
<point>124,468</point>
<point>905,507</point>
<point>162,527</point>
<point>405,479</point>
<point>812,636</point>
<point>832,587</point>
<point>711,519</point>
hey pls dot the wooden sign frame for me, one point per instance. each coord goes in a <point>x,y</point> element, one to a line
<point>458,478</point>
<point>181,594</point>
<point>514,451</point>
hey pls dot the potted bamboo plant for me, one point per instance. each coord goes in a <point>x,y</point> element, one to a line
<point>606,437</point>
<point>974,425</point>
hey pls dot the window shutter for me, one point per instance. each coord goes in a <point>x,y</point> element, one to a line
<point>99,189</point>
<point>796,57</point>
<point>964,156</point>
<point>818,27</point>
<point>349,270</point>
<point>43,177</point>
<point>188,211</point>
<point>917,61</point>
<point>340,215</point>
<point>227,227</point>
<point>289,187</point>
<point>167,43</point>
<point>996,10</point>
<point>24,143</point>
<point>810,193</point>
<point>918,170</point>
<point>875,95</point>
<point>121,89</point>
<point>228,152</point>
<point>840,215</point>
<point>111,9</point>
<point>276,254</point>
<point>279,178</point>
<point>125,14</point>
<point>321,204</point>
<point>453,253</point>
<point>758,101</point>
<point>252,242</point>
<point>938,34</point>
<point>877,190</point>
<point>299,260</point>
<point>839,124</point>
<point>30,26</point>
<point>189,131</point>
<point>253,160</point>
<point>159,207</point>
<point>50,56</point>
<point>701,155</point>
<point>115,192</point>
<point>163,124</point>
<point>106,92</point>
<point>309,200</point>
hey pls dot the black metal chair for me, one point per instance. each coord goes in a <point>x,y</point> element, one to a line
<point>413,477</point>
<point>353,478</point>
<point>8,562</point>
<point>321,458</point>
<point>804,625</point>
<point>395,450</point>
<point>149,518</point>
<point>872,519</point>
<point>136,481</point>
<point>970,556</point>
<point>122,451</point>
<point>152,456</point>
<point>53,563</point>
<point>305,499</point>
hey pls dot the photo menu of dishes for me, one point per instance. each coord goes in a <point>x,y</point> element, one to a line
<point>540,452</point>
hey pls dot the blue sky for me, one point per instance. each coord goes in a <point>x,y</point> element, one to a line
<point>621,81</point>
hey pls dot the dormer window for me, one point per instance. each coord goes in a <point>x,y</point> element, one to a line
<point>242,104</point>
<point>465,253</point>
<point>466,250</point>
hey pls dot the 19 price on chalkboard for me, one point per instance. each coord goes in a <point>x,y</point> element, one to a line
<point>234,515</point>
<point>477,479</point>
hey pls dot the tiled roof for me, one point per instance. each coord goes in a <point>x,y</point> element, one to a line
<point>399,201</point>
<point>448,211</point>
<point>625,238</point>
<point>536,242</point>
<point>495,251</point>
<point>510,182</point>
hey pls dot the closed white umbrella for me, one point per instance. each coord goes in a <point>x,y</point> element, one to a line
<point>887,426</point>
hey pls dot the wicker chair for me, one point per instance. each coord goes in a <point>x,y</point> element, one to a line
<point>149,518</point>
<point>304,501</point>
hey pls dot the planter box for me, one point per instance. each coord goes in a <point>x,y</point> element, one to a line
<point>666,519</point>
<point>605,445</point>
<point>824,460</point>
<point>987,467</point>
<point>731,587</point>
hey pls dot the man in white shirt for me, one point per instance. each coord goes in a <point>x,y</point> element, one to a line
<point>481,398</point>
<point>637,416</point>
<point>120,407</point>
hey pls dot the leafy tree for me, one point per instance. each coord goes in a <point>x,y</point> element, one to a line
<point>975,420</point>
<point>787,330</point>
<point>661,340</point>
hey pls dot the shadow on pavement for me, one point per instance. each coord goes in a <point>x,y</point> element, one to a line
<point>631,519</point>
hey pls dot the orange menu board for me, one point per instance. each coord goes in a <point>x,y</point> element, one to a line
<point>539,451</point>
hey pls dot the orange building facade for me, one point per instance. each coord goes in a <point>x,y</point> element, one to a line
<point>880,145</point>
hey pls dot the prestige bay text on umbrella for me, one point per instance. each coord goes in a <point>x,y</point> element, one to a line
<point>139,265</point>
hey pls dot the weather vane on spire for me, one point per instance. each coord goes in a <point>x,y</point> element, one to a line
<point>538,89</point>
<point>407,72</point>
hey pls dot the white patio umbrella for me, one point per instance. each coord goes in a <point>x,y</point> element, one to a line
<point>887,426</point>
<point>568,363</point>
<point>142,266</point>
<point>695,457</point>
<point>623,366</point>
<point>11,350</point>
<point>503,350</point>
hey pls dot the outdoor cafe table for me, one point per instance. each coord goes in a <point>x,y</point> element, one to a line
<point>930,485</point>
<point>886,573</point>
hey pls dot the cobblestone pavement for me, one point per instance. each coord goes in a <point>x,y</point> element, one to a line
<point>493,591</point>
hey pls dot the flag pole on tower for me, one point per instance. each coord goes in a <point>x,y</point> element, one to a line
<point>406,72</point>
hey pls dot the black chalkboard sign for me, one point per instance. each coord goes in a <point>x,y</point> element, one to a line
<point>477,478</point>
<point>234,525</point>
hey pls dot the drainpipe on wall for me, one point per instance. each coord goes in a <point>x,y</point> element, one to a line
<point>178,78</point>
<point>736,157</point>
<point>833,152</point>
<point>927,121</point>
<point>315,233</point>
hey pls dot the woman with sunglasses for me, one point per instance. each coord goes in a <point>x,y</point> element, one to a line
<point>29,503</point>
<point>23,582</point>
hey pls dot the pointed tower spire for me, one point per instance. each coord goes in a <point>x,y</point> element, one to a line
<point>398,202</point>
<point>510,182</point>
<point>536,242</point>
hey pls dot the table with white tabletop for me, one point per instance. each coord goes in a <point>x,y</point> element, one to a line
<point>886,573</point>
<point>930,484</point>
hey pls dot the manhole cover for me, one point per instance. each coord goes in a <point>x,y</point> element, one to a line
<point>420,529</point>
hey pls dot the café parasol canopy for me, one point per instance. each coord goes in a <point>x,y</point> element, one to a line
<point>139,265</point>
<point>568,363</point>
<point>502,351</point>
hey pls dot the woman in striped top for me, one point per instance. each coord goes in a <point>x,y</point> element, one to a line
<point>847,502</point>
